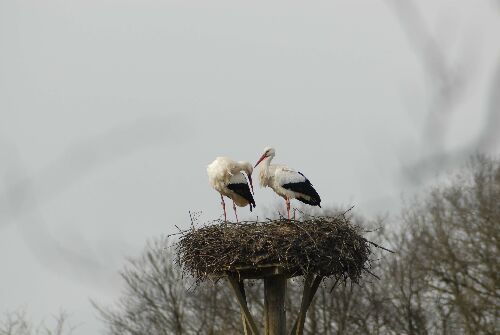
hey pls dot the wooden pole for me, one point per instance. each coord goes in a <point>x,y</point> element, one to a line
<point>246,324</point>
<point>274,304</point>
<point>243,303</point>
<point>307,297</point>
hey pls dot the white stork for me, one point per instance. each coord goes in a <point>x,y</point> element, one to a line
<point>286,182</point>
<point>226,177</point>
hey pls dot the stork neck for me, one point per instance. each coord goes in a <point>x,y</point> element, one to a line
<point>267,162</point>
<point>264,171</point>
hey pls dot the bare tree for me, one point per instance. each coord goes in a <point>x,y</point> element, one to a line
<point>158,299</point>
<point>443,278</point>
<point>17,323</point>
<point>458,228</point>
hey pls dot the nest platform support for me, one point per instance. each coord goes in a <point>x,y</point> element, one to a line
<point>274,305</point>
<point>249,326</point>
<point>274,251</point>
<point>275,282</point>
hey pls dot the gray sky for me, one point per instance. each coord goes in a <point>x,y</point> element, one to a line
<point>111,110</point>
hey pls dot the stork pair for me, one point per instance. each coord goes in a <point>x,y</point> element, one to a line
<point>228,178</point>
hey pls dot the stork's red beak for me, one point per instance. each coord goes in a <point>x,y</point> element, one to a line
<point>260,160</point>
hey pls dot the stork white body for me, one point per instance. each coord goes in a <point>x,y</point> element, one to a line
<point>286,182</point>
<point>226,177</point>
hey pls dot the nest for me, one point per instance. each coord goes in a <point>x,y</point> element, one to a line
<point>326,246</point>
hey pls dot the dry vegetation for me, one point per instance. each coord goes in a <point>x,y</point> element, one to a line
<point>327,246</point>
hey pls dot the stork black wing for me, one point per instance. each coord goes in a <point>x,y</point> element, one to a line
<point>243,190</point>
<point>311,197</point>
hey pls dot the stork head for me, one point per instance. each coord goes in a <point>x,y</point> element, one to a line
<point>268,153</point>
<point>248,168</point>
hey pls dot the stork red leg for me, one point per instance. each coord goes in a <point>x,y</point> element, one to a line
<point>234,207</point>
<point>223,207</point>
<point>288,207</point>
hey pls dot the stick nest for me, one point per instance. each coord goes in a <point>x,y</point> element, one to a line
<point>327,246</point>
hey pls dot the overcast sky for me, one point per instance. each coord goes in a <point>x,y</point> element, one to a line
<point>111,110</point>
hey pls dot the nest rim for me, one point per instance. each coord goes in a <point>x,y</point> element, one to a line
<point>329,246</point>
